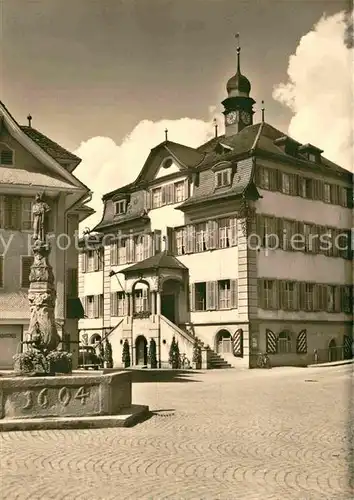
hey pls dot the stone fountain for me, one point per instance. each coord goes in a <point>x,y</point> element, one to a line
<point>43,393</point>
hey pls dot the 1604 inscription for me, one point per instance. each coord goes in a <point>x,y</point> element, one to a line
<point>64,397</point>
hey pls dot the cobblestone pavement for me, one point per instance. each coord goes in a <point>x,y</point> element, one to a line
<point>228,435</point>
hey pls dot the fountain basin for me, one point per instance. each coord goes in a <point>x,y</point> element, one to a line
<point>33,402</point>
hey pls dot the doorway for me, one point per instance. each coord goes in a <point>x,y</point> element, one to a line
<point>223,342</point>
<point>332,351</point>
<point>168,308</point>
<point>141,351</point>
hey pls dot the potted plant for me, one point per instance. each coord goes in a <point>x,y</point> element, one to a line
<point>173,357</point>
<point>152,354</point>
<point>59,361</point>
<point>30,362</point>
<point>108,358</point>
<point>126,354</point>
<point>197,356</point>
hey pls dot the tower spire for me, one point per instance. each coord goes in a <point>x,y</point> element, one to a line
<point>238,51</point>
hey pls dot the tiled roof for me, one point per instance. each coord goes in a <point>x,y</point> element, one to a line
<point>52,148</point>
<point>189,157</point>
<point>162,259</point>
<point>14,305</point>
<point>23,177</point>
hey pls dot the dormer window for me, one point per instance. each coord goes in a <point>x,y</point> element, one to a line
<point>221,148</point>
<point>223,178</point>
<point>120,207</point>
<point>167,163</point>
<point>6,155</point>
<point>311,153</point>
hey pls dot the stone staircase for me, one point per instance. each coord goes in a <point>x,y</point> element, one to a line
<point>215,360</point>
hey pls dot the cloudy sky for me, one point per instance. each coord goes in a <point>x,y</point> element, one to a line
<point>105,77</point>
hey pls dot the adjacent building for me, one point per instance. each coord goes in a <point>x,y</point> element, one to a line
<point>30,163</point>
<point>242,242</point>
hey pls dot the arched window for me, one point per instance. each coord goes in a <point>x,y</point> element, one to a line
<point>284,342</point>
<point>223,342</point>
<point>95,338</point>
<point>141,298</point>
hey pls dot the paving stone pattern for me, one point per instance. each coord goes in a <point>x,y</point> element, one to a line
<point>280,434</point>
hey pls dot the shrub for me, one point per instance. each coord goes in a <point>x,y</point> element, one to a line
<point>152,354</point>
<point>30,361</point>
<point>126,354</point>
<point>173,357</point>
<point>60,361</point>
<point>197,353</point>
<point>108,354</point>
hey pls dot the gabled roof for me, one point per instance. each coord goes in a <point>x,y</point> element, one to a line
<point>161,260</point>
<point>52,148</point>
<point>62,177</point>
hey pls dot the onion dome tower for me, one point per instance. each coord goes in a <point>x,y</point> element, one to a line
<point>238,105</point>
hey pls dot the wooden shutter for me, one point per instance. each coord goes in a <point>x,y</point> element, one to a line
<point>114,253</point>
<point>1,271</point>
<point>279,229</point>
<point>349,198</point>
<point>301,342</point>
<point>347,346</point>
<point>271,342</point>
<point>96,306</point>
<point>211,295</point>
<point>95,260</point>
<point>261,293</point>
<point>190,239</point>
<point>130,249</point>
<point>157,241</point>
<point>113,304</point>
<point>296,296</point>
<point>337,299</point>
<point>25,271</point>
<point>147,200</point>
<point>234,294</point>
<point>84,262</point>
<point>212,234</point>
<point>281,295</point>
<point>169,239</point>
<point>192,297</point>
<point>12,212</point>
<point>146,246</point>
<point>233,231</point>
<point>186,188</point>
<point>237,343</point>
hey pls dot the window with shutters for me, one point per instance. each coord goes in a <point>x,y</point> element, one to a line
<point>113,304</point>
<point>114,253</point>
<point>334,194</point>
<point>6,155</point>
<point>289,229</point>
<point>122,244</point>
<point>90,306</point>
<point>288,295</point>
<point>264,178</point>
<point>343,197</point>
<point>180,240</point>
<point>201,237</point>
<point>91,261</point>
<point>309,297</point>
<point>285,183</point>
<point>12,212</point>
<point>327,193</point>
<point>26,213</point>
<point>269,292</point>
<point>121,311</point>
<point>284,342</point>
<point>139,248</point>
<point>200,296</point>
<point>306,188</point>
<point>26,263</point>
<point>224,294</point>
<point>190,239</point>
<point>72,283</point>
<point>1,271</point>
<point>268,231</point>
<point>308,243</point>
<point>224,233</point>
<point>156,197</point>
<point>179,188</point>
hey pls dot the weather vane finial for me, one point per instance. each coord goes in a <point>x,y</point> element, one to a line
<point>215,126</point>
<point>238,50</point>
<point>166,134</point>
<point>29,118</point>
<point>262,109</point>
<point>237,36</point>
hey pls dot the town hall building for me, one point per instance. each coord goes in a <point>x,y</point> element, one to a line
<point>242,243</point>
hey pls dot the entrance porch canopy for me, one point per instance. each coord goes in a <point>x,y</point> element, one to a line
<point>155,270</point>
